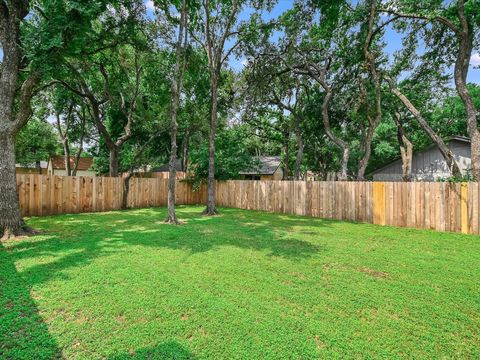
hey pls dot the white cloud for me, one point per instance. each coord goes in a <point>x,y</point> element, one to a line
<point>475,59</point>
<point>149,4</point>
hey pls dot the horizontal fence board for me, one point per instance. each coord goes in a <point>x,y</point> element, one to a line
<point>451,207</point>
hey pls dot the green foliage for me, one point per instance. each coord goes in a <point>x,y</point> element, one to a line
<point>231,156</point>
<point>37,141</point>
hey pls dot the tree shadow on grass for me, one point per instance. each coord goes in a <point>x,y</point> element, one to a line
<point>170,350</point>
<point>76,240</point>
<point>23,334</point>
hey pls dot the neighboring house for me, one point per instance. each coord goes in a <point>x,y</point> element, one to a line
<point>40,168</point>
<point>56,166</point>
<point>268,169</point>
<point>163,171</point>
<point>429,164</point>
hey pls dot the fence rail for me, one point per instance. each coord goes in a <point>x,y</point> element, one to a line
<point>438,206</point>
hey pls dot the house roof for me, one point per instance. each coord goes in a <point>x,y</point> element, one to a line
<point>43,165</point>
<point>447,140</point>
<point>165,167</point>
<point>267,166</point>
<point>84,163</point>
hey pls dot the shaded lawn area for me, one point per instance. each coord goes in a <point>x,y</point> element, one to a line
<point>244,285</point>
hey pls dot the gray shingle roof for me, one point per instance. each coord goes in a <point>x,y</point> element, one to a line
<point>164,168</point>
<point>268,165</point>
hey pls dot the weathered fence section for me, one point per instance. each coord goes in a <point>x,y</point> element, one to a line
<point>438,206</point>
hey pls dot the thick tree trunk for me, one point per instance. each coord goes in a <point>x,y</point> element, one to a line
<point>113,166</point>
<point>406,150</point>
<point>211,208</point>
<point>444,149</point>
<point>15,110</point>
<point>11,223</point>
<point>126,189</point>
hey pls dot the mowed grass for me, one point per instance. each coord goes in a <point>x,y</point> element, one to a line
<point>241,285</point>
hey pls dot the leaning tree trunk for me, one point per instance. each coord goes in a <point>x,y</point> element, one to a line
<point>11,223</point>
<point>444,149</point>
<point>211,208</point>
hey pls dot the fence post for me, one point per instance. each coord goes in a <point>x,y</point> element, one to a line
<point>379,203</point>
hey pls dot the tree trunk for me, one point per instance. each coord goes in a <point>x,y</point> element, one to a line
<point>406,150</point>
<point>286,146</point>
<point>11,223</point>
<point>366,154</point>
<point>185,150</point>
<point>465,36</point>
<point>343,174</point>
<point>77,159</point>
<point>444,149</point>
<point>126,189</point>
<point>211,209</point>
<point>298,160</point>
<point>176,87</point>
<point>66,151</point>
<point>113,167</point>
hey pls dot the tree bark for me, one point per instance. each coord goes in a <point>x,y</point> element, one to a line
<point>299,157</point>
<point>211,208</point>
<point>343,174</point>
<point>319,74</point>
<point>11,223</point>
<point>465,37</point>
<point>286,149</point>
<point>126,189</point>
<point>176,88</point>
<point>374,121</point>
<point>444,149</point>
<point>185,150</point>
<point>12,117</point>
<point>406,149</point>
<point>113,164</point>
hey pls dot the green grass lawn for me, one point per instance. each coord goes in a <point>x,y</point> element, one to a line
<point>242,285</point>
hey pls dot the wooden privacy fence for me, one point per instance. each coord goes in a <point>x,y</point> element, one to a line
<point>438,206</point>
<point>50,194</point>
<point>423,205</point>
